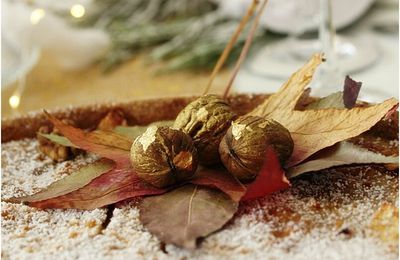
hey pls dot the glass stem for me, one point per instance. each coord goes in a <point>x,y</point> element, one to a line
<point>327,33</point>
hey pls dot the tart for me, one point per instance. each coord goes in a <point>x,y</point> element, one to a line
<point>346,212</point>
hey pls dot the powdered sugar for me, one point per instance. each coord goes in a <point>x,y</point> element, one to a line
<point>26,171</point>
<point>322,216</point>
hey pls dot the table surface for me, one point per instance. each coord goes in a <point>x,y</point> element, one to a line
<point>49,86</point>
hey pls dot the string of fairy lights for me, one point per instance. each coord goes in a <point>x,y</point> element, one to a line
<point>37,15</point>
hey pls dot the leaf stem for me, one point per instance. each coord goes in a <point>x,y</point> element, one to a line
<point>230,44</point>
<point>245,49</point>
<point>189,219</point>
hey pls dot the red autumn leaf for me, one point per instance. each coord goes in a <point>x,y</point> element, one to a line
<point>105,144</point>
<point>118,184</point>
<point>121,182</point>
<point>271,178</point>
<point>220,179</point>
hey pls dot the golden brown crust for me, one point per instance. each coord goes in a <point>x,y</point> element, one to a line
<point>137,112</point>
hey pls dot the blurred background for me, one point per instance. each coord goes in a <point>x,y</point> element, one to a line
<point>75,52</point>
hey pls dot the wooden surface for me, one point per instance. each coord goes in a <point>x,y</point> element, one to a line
<point>49,86</point>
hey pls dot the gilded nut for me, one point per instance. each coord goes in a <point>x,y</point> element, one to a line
<point>243,147</point>
<point>162,156</point>
<point>206,120</point>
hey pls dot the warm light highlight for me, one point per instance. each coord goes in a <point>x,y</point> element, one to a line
<point>37,15</point>
<point>14,101</point>
<point>77,11</point>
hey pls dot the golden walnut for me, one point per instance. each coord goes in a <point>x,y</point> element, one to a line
<point>206,120</point>
<point>243,147</point>
<point>162,156</point>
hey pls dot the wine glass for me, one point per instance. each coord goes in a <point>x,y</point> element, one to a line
<point>344,56</point>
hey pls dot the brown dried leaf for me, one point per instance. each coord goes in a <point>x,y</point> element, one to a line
<point>313,130</point>
<point>111,120</point>
<point>343,153</point>
<point>106,144</point>
<point>287,96</point>
<point>220,179</point>
<point>185,214</point>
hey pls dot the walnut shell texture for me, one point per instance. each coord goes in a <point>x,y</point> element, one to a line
<point>243,148</point>
<point>162,156</point>
<point>206,120</point>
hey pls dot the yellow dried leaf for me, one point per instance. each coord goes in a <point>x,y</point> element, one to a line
<point>313,130</point>
<point>287,96</point>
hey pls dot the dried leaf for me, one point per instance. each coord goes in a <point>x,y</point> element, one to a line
<point>334,100</point>
<point>345,99</point>
<point>350,92</point>
<point>220,179</point>
<point>343,153</point>
<point>115,185</point>
<point>132,132</point>
<point>95,187</point>
<point>185,214</point>
<point>270,179</point>
<point>313,130</point>
<point>58,139</point>
<point>392,112</point>
<point>74,181</point>
<point>287,96</point>
<point>105,144</point>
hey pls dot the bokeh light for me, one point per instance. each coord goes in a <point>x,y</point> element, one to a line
<point>77,11</point>
<point>14,101</point>
<point>37,15</point>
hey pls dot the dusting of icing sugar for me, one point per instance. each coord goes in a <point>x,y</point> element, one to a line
<point>148,137</point>
<point>322,216</point>
<point>26,171</point>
